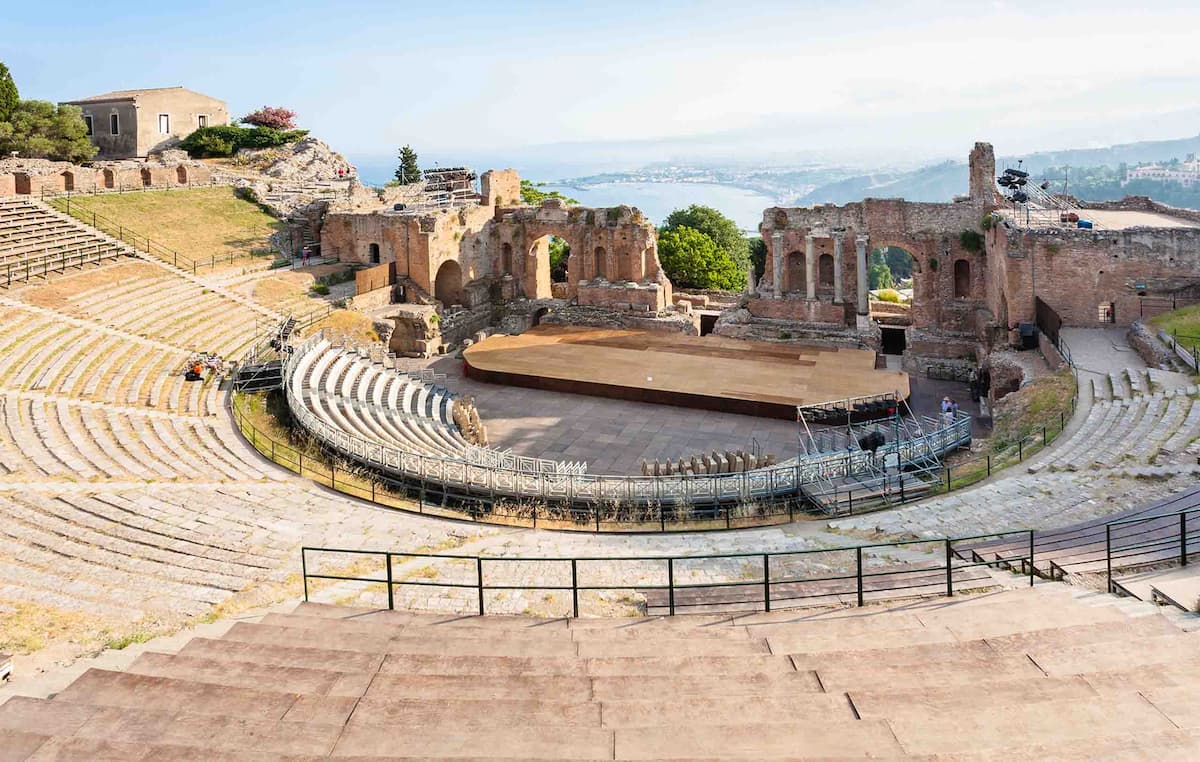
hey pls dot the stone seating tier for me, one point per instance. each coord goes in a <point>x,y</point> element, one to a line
<point>1039,673</point>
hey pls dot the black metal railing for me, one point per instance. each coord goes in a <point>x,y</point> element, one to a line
<point>759,582</point>
<point>1149,540</point>
<point>141,242</point>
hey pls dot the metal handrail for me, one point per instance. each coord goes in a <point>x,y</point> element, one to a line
<point>940,575</point>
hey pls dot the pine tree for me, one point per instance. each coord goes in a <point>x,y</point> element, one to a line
<point>408,171</point>
<point>8,94</point>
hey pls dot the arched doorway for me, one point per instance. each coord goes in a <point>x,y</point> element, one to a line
<point>373,253</point>
<point>68,179</point>
<point>181,175</point>
<point>447,286</point>
<point>538,315</point>
<point>962,279</point>
<point>506,262</point>
<point>560,259</point>
<point>600,263</point>
<point>110,179</point>
<point>796,276</point>
<point>147,180</point>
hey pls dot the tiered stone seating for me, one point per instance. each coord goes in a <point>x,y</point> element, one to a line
<point>1036,673</point>
<point>1129,431</point>
<point>35,239</point>
<point>355,394</point>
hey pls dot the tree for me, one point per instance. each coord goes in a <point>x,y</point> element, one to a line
<point>409,170</point>
<point>899,262</point>
<point>879,276</point>
<point>758,256</point>
<point>723,231</point>
<point>560,250</point>
<point>531,193</point>
<point>692,260</point>
<point>275,117</point>
<point>41,130</point>
<point>9,97</point>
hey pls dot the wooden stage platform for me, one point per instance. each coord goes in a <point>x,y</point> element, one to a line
<point>709,372</point>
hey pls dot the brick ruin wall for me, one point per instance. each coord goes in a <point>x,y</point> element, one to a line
<point>37,176</point>
<point>1076,271</point>
<point>502,253</point>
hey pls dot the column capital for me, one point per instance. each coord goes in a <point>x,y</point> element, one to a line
<point>861,238</point>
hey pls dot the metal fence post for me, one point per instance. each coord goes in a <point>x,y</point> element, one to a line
<point>479,581</point>
<point>304,573</point>
<point>574,588</point>
<point>1108,555</point>
<point>671,586</point>
<point>949,572</point>
<point>1021,449</point>
<point>858,574</point>
<point>387,559</point>
<point>1183,539</point>
<point>989,464</point>
<point>1031,558</point>
<point>767,580</point>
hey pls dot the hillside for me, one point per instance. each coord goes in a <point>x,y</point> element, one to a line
<point>199,223</point>
<point>941,182</point>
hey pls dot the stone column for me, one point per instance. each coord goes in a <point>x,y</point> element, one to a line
<point>837,266</point>
<point>864,304</point>
<point>810,266</point>
<point>777,263</point>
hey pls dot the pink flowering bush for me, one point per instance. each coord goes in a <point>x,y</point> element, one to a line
<point>275,117</point>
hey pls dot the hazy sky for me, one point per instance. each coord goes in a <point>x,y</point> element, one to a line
<point>737,78</point>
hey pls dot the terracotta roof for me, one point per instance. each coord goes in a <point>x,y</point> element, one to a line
<point>128,95</point>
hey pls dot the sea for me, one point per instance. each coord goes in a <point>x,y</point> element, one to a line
<point>656,200</point>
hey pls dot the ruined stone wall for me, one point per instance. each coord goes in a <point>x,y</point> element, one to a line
<point>1075,271</point>
<point>500,186</point>
<point>931,233</point>
<point>614,245</point>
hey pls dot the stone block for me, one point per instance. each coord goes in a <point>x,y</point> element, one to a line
<point>722,463</point>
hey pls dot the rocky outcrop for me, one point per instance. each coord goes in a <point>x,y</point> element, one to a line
<point>1153,352</point>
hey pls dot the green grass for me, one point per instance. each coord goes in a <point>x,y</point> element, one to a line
<point>199,223</point>
<point>1184,321</point>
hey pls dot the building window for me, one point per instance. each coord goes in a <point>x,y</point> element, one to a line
<point>114,124</point>
<point>87,121</point>
<point>164,124</point>
<point>202,121</point>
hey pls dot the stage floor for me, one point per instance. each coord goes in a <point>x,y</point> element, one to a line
<point>712,372</point>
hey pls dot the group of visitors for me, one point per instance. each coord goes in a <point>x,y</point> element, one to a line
<point>949,410</point>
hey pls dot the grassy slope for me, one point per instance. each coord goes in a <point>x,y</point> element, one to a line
<point>197,223</point>
<point>1185,321</point>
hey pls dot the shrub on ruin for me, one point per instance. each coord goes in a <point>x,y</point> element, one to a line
<point>971,240</point>
<point>226,139</point>
<point>271,117</point>
<point>889,295</point>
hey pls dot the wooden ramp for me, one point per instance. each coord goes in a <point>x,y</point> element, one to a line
<point>710,372</point>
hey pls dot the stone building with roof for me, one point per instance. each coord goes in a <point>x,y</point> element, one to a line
<point>127,124</point>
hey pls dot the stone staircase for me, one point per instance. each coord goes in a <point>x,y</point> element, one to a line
<point>1043,673</point>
